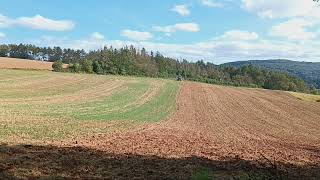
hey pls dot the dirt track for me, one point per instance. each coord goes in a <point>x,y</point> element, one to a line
<point>216,122</point>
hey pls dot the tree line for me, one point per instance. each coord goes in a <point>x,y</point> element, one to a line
<point>129,60</point>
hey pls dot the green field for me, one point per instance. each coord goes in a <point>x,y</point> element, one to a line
<point>306,97</point>
<point>39,105</point>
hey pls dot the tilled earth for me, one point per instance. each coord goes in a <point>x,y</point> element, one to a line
<point>227,131</point>
<point>215,121</point>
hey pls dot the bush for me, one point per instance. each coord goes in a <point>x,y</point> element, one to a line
<point>314,91</point>
<point>57,66</point>
<point>75,68</point>
<point>97,67</point>
<point>87,66</point>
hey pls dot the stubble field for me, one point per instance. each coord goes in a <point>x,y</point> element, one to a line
<point>14,63</point>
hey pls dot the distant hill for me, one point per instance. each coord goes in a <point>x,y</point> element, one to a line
<point>308,71</point>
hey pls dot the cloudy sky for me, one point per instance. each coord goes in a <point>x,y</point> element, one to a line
<point>213,30</point>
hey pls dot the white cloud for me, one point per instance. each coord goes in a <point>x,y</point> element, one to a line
<point>218,50</point>
<point>237,35</point>
<point>183,10</point>
<point>97,35</point>
<point>37,22</point>
<point>2,35</point>
<point>294,29</point>
<point>4,21</point>
<point>89,43</point>
<point>136,35</point>
<point>282,8</point>
<point>302,16</point>
<point>211,3</point>
<point>42,23</point>
<point>186,27</point>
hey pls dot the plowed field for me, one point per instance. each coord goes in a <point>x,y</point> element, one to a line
<point>216,122</point>
<point>229,132</point>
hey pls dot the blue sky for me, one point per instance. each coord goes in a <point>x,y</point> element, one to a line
<point>214,30</point>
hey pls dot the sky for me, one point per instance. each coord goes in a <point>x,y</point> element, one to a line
<point>216,31</point>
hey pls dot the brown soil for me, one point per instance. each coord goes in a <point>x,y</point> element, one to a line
<point>14,63</point>
<point>223,129</point>
<point>215,121</point>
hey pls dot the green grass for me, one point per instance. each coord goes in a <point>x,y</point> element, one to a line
<point>39,105</point>
<point>201,175</point>
<point>306,97</point>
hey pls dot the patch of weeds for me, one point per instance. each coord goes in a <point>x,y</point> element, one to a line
<point>252,176</point>
<point>202,174</point>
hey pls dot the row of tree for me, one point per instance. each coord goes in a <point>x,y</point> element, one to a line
<point>139,62</point>
<point>28,51</point>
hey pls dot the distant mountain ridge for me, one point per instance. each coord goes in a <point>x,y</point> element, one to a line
<point>308,71</point>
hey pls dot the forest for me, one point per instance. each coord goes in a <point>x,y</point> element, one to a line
<point>130,60</point>
<point>308,71</point>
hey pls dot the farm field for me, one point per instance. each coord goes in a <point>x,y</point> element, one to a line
<point>58,125</point>
<point>307,97</point>
<point>39,105</point>
<point>14,63</point>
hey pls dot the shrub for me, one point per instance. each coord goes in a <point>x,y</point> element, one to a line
<point>314,91</point>
<point>97,67</point>
<point>57,66</point>
<point>75,68</point>
<point>87,66</point>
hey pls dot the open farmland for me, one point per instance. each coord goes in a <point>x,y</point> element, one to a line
<point>14,63</point>
<point>306,97</point>
<point>44,106</point>
<point>97,127</point>
<point>246,122</point>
